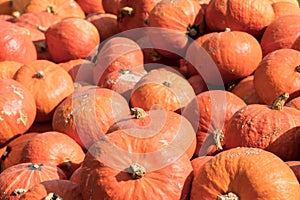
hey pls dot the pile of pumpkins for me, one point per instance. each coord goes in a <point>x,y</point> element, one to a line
<point>150,99</point>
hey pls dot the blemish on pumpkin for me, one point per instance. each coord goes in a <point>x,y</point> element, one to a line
<point>18,191</point>
<point>17,91</point>
<point>275,132</point>
<point>1,118</point>
<point>23,118</point>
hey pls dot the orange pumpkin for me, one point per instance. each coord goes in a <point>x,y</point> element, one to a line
<point>18,110</point>
<point>295,2</point>
<point>197,83</point>
<point>40,77</point>
<point>111,6</point>
<point>64,45</point>
<point>90,6</point>
<point>8,69</point>
<point>236,174</point>
<point>6,7</point>
<point>285,8</point>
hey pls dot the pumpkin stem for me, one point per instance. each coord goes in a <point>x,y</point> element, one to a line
<point>126,11</point>
<point>193,31</point>
<point>298,68</point>
<point>124,71</point>
<point>167,83</point>
<point>279,102</point>
<point>218,138</point>
<point>227,29</point>
<point>229,196</point>
<point>51,9</point>
<point>41,28</point>
<point>39,74</point>
<point>53,196</point>
<point>136,170</point>
<point>18,191</point>
<point>35,166</point>
<point>16,14</point>
<point>138,113</point>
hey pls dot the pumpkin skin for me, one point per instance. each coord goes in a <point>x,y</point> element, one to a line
<point>64,45</point>
<point>111,6</point>
<point>63,188</point>
<point>88,113</point>
<point>296,44</point>
<point>25,175</point>
<point>162,87</point>
<point>215,179</point>
<point>281,33</point>
<point>295,2</point>
<point>40,75</point>
<point>18,110</point>
<point>265,127</point>
<point>285,8</point>
<point>160,124</point>
<point>5,7</point>
<point>63,152</point>
<point>16,45</point>
<point>114,182</point>
<point>198,84</point>
<point>236,54</point>
<point>211,128</point>
<point>246,91</point>
<point>248,16</point>
<point>8,69</point>
<point>169,37</point>
<point>133,14</point>
<point>278,73</point>
<point>90,6</point>
<point>76,176</point>
<point>294,103</point>
<point>118,53</point>
<point>295,166</point>
<point>13,150</point>
<point>105,23</point>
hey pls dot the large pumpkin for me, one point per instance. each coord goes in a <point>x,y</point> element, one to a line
<point>49,84</point>
<point>16,179</point>
<point>209,116</point>
<point>62,151</point>
<point>281,33</point>
<point>278,72</point>
<point>53,189</point>
<point>121,166</point>
<point>251,16</point>
<point>8,69</point>
<point>245,173</point>
<point>88,113</point>
<point>18,110</point>
<point>162,87</point>
<point>266,127</point>
<point>71,38</point>
<point>16,44</point>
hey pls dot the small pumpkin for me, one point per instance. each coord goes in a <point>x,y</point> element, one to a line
<point>248,168</point>
<point>17,179</point>
<point>18,110</point>
<point>90,6</point>
<point>41,75</point>
<point>8,69</point>
<point>64,45</point>
<point>266,127</point>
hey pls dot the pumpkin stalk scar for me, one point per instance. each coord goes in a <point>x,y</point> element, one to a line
<point>167,84</point>
<point>218,138</point>
<point>53,196</point>
<point>279,102</point>
<point>18,191</point>
<point>1,118</point>
<point>229,196</point>
<point>17,91</point>
<point>23,118</point>
<point>39,74</point>
<point>138,113</point>
<point>126,11</point>
<point>136,170</point>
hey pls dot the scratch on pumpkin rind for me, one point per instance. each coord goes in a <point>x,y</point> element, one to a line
<point>23,118</point>
<point>17,91</point>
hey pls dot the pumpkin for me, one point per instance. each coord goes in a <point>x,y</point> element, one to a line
<point>247,16</point>
<point>295,166</point>
<point>53,189</point>
<point>294,103</point>
<point>121,166</point>
<point>236,54</point>
<point>64,45</point>
<point>105,23</point>
<point>278,72</point>
<point>123,81</point>
<point>198,162</point>
<point>246,91</point>
<point>81,70</point>
<point>87,114</point>
<point>285,8</point>
<point>117,53</point>
<point>13,150</point>
<point>295,2</point>
<point>16,44</point>
<point>172,22</point>
<point>160,125</point>
<point>197,83</point>
<point>41,75</point>
<point>296,44</point>
<point>111,6</point>
<point>6,17</point>
<point>162,87</point>
<point>6,7</point>
<point>63,9</point>
<point>76,176</point>
<point>265,127</point>
<point>17,179</point>
<point>62,151</point>
<point>18,110</point>
<point>249,167</point>
<point>209,116</point>
<point>281,33</point>
<point>8,69</point>
<point>134,14</point>
<point>90,6</point>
